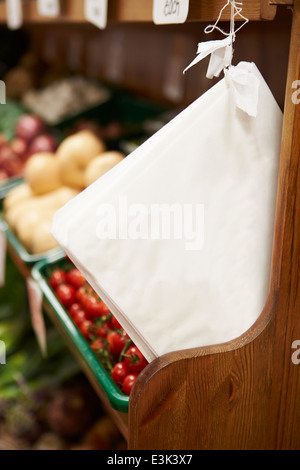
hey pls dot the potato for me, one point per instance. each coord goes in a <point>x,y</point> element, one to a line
<point>42,173</point>
<point>14,213</point>
<point>75,153</point>
<point>28,222</point>
<point>16,195</point>
<point>42,240</point>
<point>41,204</point>
<point>100,165</point>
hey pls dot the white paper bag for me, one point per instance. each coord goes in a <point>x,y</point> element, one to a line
<point>199,275</point>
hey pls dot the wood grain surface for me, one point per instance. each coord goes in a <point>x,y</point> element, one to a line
<point>243,394</point>
<point>141,11</point>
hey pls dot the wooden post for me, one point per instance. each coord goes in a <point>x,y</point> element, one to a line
<point>243,394</point>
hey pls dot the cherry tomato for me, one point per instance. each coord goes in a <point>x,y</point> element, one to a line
<point>104,309</point>
<point>107,324</point>
<point>135,360</point>
<point>125,335</point>
<point>74,309</point>
<point>86,328</point>
<point>57,277</point>
<point>80,295</point>
<point>83,294</point>
<point>102,332</point>
<point>94,307</point>
<point>119,372</point>
<point>79,317</point>
<point>116,343</point>
<point>66,294</point>
<point>116,325</point>
<point>75,278</point>
<point>128,383</point>
<point>97,345</point>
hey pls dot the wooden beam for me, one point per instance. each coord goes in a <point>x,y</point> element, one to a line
<point>281,2</point>
<point>141,11</point>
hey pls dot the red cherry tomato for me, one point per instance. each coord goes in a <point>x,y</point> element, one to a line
<point>74,309</point>
<point>116,342</point>
<point>104,309</point>
<point>66,294</point>
<point>135,360</point>
<point>94,307</point>
<point>102,332</point>
<point>98,345</point>
<point>107,325</point>
<point>128,383</point>
<point>80,295</point>
<point>75,278</point>
<point>86,329</point>
<point>119,372</point>
<point>79,317</point>
<point>125,335</point>
<point>116,325</point>
<point>57,277</point>
<point>83,294</point>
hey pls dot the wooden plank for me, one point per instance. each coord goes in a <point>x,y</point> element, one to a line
<point>207,10</point>
<point>244,394</point>
<point>204,10</point>
<point>141,11</point>
<point>281,2</point>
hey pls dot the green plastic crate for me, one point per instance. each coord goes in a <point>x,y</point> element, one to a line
<point>77,343</point>
<point>12,239</point>
<point>9,184</point>
<point>20,250</point>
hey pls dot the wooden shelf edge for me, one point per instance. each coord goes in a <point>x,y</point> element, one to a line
<point>281,2</point>
<point>126,11</point>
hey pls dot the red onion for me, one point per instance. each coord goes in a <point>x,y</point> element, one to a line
<point>29,126</point>
<point>19,146</point>
<point>42,143</point>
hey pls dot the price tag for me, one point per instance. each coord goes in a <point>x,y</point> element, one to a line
<point>14,14</point>
<point>2,257</point>
<point>170,11</point>
<point>48,7</point>
<point>35,302</point>
<point>96,12</point>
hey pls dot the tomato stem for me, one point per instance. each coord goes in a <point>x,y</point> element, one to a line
<point>122,355</point>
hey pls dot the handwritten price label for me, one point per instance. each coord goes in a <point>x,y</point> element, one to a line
<point>48,7</point>
<point>14,14</point>
<point>96,12</point>
<point>170,11</point>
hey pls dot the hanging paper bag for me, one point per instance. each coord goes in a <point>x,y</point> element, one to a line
<point>177,238</point>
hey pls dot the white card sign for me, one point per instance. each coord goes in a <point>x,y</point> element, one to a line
<point>96,12</point>
<point>170,11</point>
<point>48,7</point>
<point>14,14</point>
